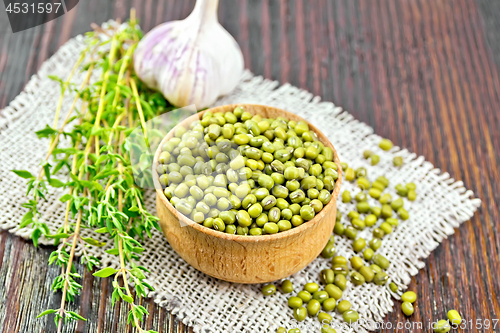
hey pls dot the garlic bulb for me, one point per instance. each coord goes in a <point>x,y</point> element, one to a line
<point>193,61</point>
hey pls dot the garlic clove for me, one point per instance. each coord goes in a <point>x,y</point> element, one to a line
<point>193,61</point>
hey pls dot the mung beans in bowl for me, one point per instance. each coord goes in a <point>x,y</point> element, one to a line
<point>247,193</point>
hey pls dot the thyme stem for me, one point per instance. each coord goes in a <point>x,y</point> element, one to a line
<point>68,268</point>
<point>102,99</point>
<point>65,85</point>
<point>139,109</point>
<point>102,194</point>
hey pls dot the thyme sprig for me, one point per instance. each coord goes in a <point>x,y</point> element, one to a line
<point>98,172</point>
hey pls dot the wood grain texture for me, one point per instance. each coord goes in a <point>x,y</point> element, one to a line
<point>423,73</point>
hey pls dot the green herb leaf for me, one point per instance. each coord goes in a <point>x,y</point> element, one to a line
<point>97,186</point>
<point>69,150</point>
<point>137,273</point>
<point>105,272</point>
<point>65,197</point>
<point>46,132</point>
<point>75,315</point>
<point>148,285</point>
<point>59,235</point>
<point>92,241</point>
<point>35,236</point>
<point>46,168</point>
<point>59,166</point>
<point>127,298</point>
<point>46,312</point>
<point>23,173</point>
<point>45,229</point>
<point>138,249</point>
<point>27,220</point>
<point>112,251</point>
<point>56,183</point>
<point>143,269</point>
<point>55,78</point>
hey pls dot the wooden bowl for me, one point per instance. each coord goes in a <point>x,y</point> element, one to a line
<point>247,259</point>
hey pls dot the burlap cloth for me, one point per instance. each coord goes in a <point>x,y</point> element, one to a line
<point>210,305</point>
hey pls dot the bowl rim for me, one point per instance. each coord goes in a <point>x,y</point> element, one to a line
<point>246,238</point>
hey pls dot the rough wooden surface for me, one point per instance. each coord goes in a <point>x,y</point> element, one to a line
<point>423,73</point>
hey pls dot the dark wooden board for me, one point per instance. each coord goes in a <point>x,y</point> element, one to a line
<point>423,73</point>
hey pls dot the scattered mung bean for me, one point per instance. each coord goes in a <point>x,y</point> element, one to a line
<point>374,159</point>
<point>343,306</point>
<point>409,296</point>
<point>313,307</point>
<point>454,317</point>
<point>340,281</point>
<point>327,276</point>
<point>407,308</point>
<point>324,318</point>
<point>397,161</point>
<point>350,316</point>
<point>394,288</point>
<point>329,304</point>
<point>295,302</point>
<point>442,326</point>
<point>268,289</point>
<point>333,291</point>
<point>381,261</point>
<point>287,286</point>
<point>311,287</point>
<point>327,329</point>
<point>321,296</point>
<point>367,273</point>
<point>304,295</point>
<point>356,262</point>
<point>300,313</point>
<point>368,254</point>
<point>385,144</point>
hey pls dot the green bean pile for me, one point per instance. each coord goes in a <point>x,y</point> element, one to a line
<point>242,174</point>
<point>366,265</point>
